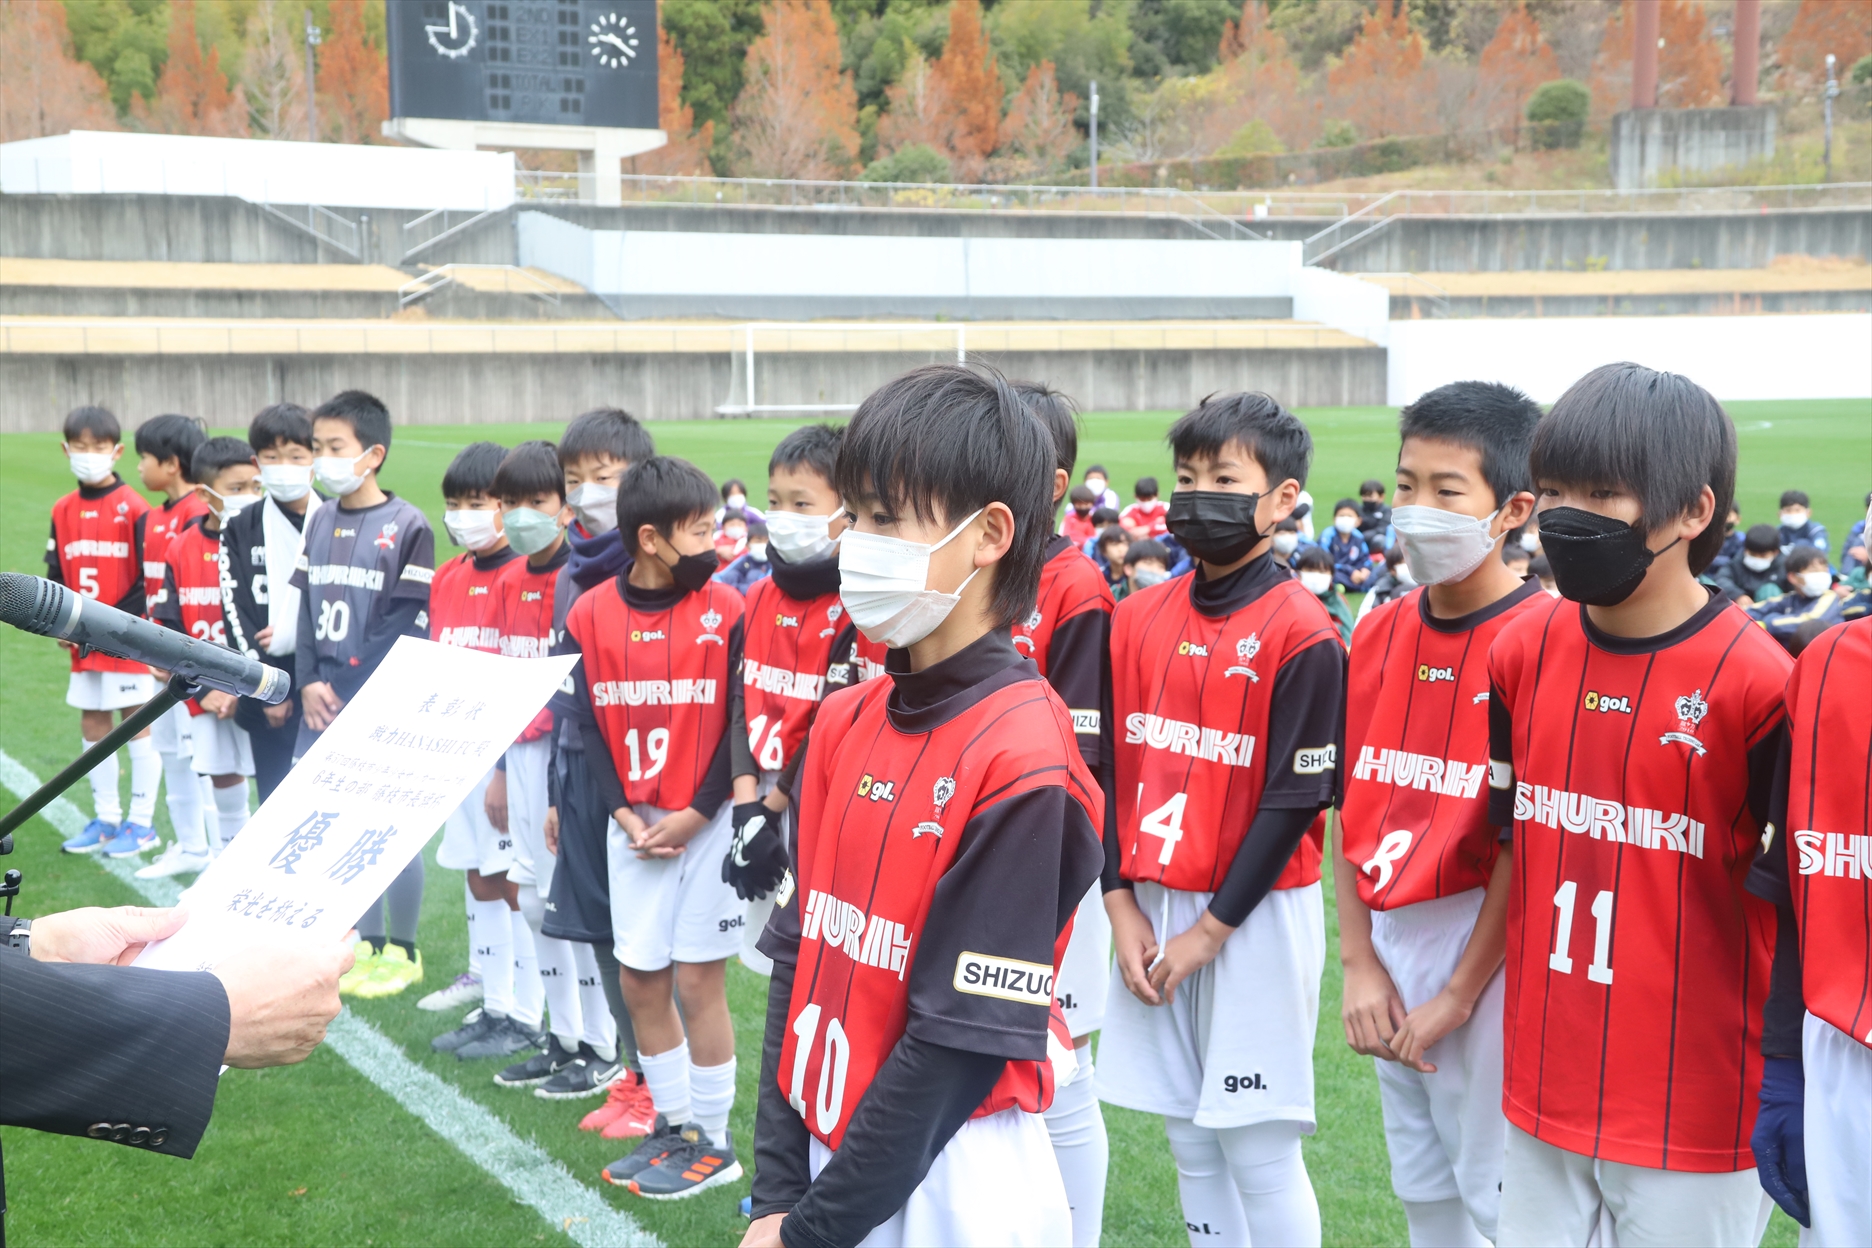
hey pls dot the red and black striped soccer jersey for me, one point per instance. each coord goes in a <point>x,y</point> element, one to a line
<point>523,619</point>
<point>1066,635</point>
<point>94,550</point>
<point>658,683</point>
<point>462,601</point>
<point>787,652</point>
<point>190,598</point>
<point>1636,777</point>
<point>1415,817</point>
<point>941,853</point>
<point>157,526</point>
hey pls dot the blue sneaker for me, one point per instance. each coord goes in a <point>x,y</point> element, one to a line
<point>131,840</point>
<point>747,1208</point>
<point>95,834</point>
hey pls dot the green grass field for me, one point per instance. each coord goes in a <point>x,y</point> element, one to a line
<point>316,1154</point>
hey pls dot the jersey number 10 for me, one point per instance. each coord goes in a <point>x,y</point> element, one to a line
<point>830,1101</point>
<point>1600,972</point>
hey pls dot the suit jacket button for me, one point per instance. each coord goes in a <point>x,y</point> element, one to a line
<point>140,1136</point>
<point>120,1133</point>
<point>99,1130</point>
<point>159,1137</point>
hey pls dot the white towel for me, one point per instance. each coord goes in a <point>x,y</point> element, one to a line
<point>284,544</point>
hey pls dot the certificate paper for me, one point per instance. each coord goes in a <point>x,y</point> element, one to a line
<point>363,801</point>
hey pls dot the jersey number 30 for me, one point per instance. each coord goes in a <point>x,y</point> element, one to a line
<point>334,620</point>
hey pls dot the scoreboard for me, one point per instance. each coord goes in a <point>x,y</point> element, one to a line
<point>534,62</point>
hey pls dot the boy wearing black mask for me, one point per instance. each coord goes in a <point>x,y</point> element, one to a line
<point>1633,732</point>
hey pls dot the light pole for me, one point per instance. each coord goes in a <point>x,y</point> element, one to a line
<point>312,40</point>
<point>1827,96</point>
<point>1095,133</point>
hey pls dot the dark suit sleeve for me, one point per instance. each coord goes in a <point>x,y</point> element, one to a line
<point>85,1050</point>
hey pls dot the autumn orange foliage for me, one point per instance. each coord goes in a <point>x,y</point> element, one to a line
<point>1261,82</point>
<point>1690,64</point>
<point>968,76</point>
<point>1038,133</point>
<point>1381,84</point>
<point>797,117</point>
<point>192,95</point>
<point>920,111</point>
<point>687,152</point>
<point>44,88</point>
<point>1515,62</point>
<point>1842,27</point>
<point>353,79</point>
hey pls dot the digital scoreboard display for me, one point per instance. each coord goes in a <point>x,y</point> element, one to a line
<point>551,62</point>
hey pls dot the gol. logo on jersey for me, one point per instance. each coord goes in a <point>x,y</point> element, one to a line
<point>1433,674</point>
<point>648,634</point>
<point>1192,649</point>
<point>1604,702</point>
<point>782,621</point>
<point>877,790</point>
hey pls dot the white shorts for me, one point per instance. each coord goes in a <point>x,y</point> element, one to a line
<point>171,732</point>
<point>219,747</point>
<point>1553,1197</point>
<point>1236,1045</point>
<point>469,841</point>
<point>1445,1131</point>
<point>995,1182</point>
<point>1838,1123</point>
<point>109,691</point>
<point>677,909</point>
<point>1085,972</point>
<point>527,800</point>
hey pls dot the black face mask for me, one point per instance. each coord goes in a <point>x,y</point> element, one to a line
<point>1214,525</point>
<point>692,572</point>
<point>1597,560</point>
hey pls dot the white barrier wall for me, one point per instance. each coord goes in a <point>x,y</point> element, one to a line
<point>1811,356</point>
<point>265,171</point>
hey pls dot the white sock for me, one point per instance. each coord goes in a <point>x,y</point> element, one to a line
<point>105,799</point>
<point>205,786</point>
<point>667,1075</point>
<point>231,807</point>
<point>711,1090</point>
<point>1212,1207</point>
<point>1276,1195</point>
<point>529,996</point>
<point>1442,1224</point>
<point>600,1030</point>
<point>185,804</point>
<point>558,972</point>
<point>1077,1127</point>
<point>492,937</point>
<point>474,952</point>
<point>145,779</point>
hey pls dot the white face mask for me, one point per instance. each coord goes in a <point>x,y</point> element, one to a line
<point>595,505</point>
<point>1757,563</point>
<point>1402,574</point>
<point>231,505</point>
<point>757,551</point>
<point>1097,487</point>
<point>736,502</point>
<point>1442,545</point>
<point>1345,524</point>
<point>287,482</point>
<point>797,537</point>
<point>1530,542</point>
<point>91,468</point>
<point>1286,543</point>
<point>1813,584</point>
<point>1316,583</point>
<point>338,474</point>
<point>475,530</point>
<point>884,584</point>
<point>1793,519</point>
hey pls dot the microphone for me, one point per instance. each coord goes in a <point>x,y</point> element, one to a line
<point>36,605</point>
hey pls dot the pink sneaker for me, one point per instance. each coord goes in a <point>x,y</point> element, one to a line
<point>639,1114</point>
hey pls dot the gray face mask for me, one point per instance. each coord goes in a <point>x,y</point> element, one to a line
<point>1147,577</point>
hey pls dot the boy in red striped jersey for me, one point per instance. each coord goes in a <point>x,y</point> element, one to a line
<point>1228,692</point>
<point>1633,728</point>
<point>659,644</point>
<point>1817,1023</point>
<point>1422,885</point>
<point>95,550</point>
<point>948,827</point>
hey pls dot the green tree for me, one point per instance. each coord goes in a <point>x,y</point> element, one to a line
<point>1315,30</point>
<point>127,41</point>
<point>918,162</point>
<point>1557,112</point>
<point>1084,46</point>
<point>1178,36</point>
<point>713,36</point>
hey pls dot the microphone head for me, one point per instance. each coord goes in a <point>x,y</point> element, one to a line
<point>34,604</point>
<point>274,686</point>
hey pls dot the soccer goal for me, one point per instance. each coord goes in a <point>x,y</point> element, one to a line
<point>782,343</point>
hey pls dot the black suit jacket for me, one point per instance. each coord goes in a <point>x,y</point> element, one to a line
<point>115,1053</point>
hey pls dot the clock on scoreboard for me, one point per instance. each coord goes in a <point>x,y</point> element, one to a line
<point>536,62</point>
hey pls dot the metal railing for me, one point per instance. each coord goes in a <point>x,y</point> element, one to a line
<point>421,287</point>
<point>322,224</point>
<point>436,220</point>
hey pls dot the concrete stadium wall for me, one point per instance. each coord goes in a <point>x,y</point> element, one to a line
<point>1707,303</point>
<point>452,302</point>
<point>36,390</point>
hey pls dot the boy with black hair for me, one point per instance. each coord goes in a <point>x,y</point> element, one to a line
<point>1811,601</point>
<point>363,580</point>
<point>1077,524</point>
<point>96,549</point>
<point>260,548</point>
<point>191,602</point>
<point>1633,730</point>
<point>1103,496</point>
<point>461,613</point>
<point>1145,517</point>
<point>1314,568</point>
<point>1146,563</point>
<point>1421,877</point>
<point>1227,711</point>
<point>598,449</point>
<point>1756,575</point>
<point>660,645</point>
<point>1067,637</point>
<point>165,446</point>
<point>1814,1152</point>
<point>948,828</point>
<point>1732,541</point>
<point>1346,545</point>
<point>531,489</point>
<point>1108,552</point>
<point>751,564</point>
<point>1286,542</point>
<point>1374,514</point>
<point>1798,527</point>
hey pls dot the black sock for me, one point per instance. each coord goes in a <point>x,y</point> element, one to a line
<point>376,945</point>
<point>407,946</point>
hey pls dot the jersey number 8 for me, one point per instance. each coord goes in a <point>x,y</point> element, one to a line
<point>334,621</point>
<point>830,1101</point>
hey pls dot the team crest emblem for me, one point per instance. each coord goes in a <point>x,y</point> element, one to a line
<point>833,612</point>
<point>122,508</point>
<point>1033,621</point>
<point>711,619</point>
<point>1245,649</point>
<point>386,536</point>
<point>1691,708</point>
<point>943,791</point>
<point>930,826</point>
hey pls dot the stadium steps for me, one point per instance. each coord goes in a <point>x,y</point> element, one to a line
<point>1793,284</point>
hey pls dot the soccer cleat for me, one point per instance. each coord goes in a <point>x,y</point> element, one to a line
<point>87,842</point>
<point>474,1025</point>
<point>616,1102</point>
<point>695,1165</point>
<point>361,968</point>
<point>586,1075</point>
<point>466,990</point>
<point>174,860</point>
<point>639,1116</point>
<point>656,1145</point>
<point>507,1037</point>
<point>131,840</point>
<point>537,1069</point>
<point>394,972</point>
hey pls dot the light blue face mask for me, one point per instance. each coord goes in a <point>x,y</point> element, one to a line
<point>529,531</point>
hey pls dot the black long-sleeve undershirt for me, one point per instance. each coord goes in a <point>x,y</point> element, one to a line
<point>1263,855</point>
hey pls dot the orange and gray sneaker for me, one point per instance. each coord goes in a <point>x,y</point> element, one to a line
<point>639,1113</point>
<point>661,1140</point>
<point>693,1165</point>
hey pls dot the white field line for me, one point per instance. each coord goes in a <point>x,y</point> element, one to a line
<point>523,1168</point>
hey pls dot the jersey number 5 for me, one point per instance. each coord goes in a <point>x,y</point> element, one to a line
<point>87,582</point>
<point>830,1101</point>
<point>1600,972</point>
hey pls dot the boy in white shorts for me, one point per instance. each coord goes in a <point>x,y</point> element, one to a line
<point>659,644</point>
<point>1422,877</point>
<point>1227,697</point>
